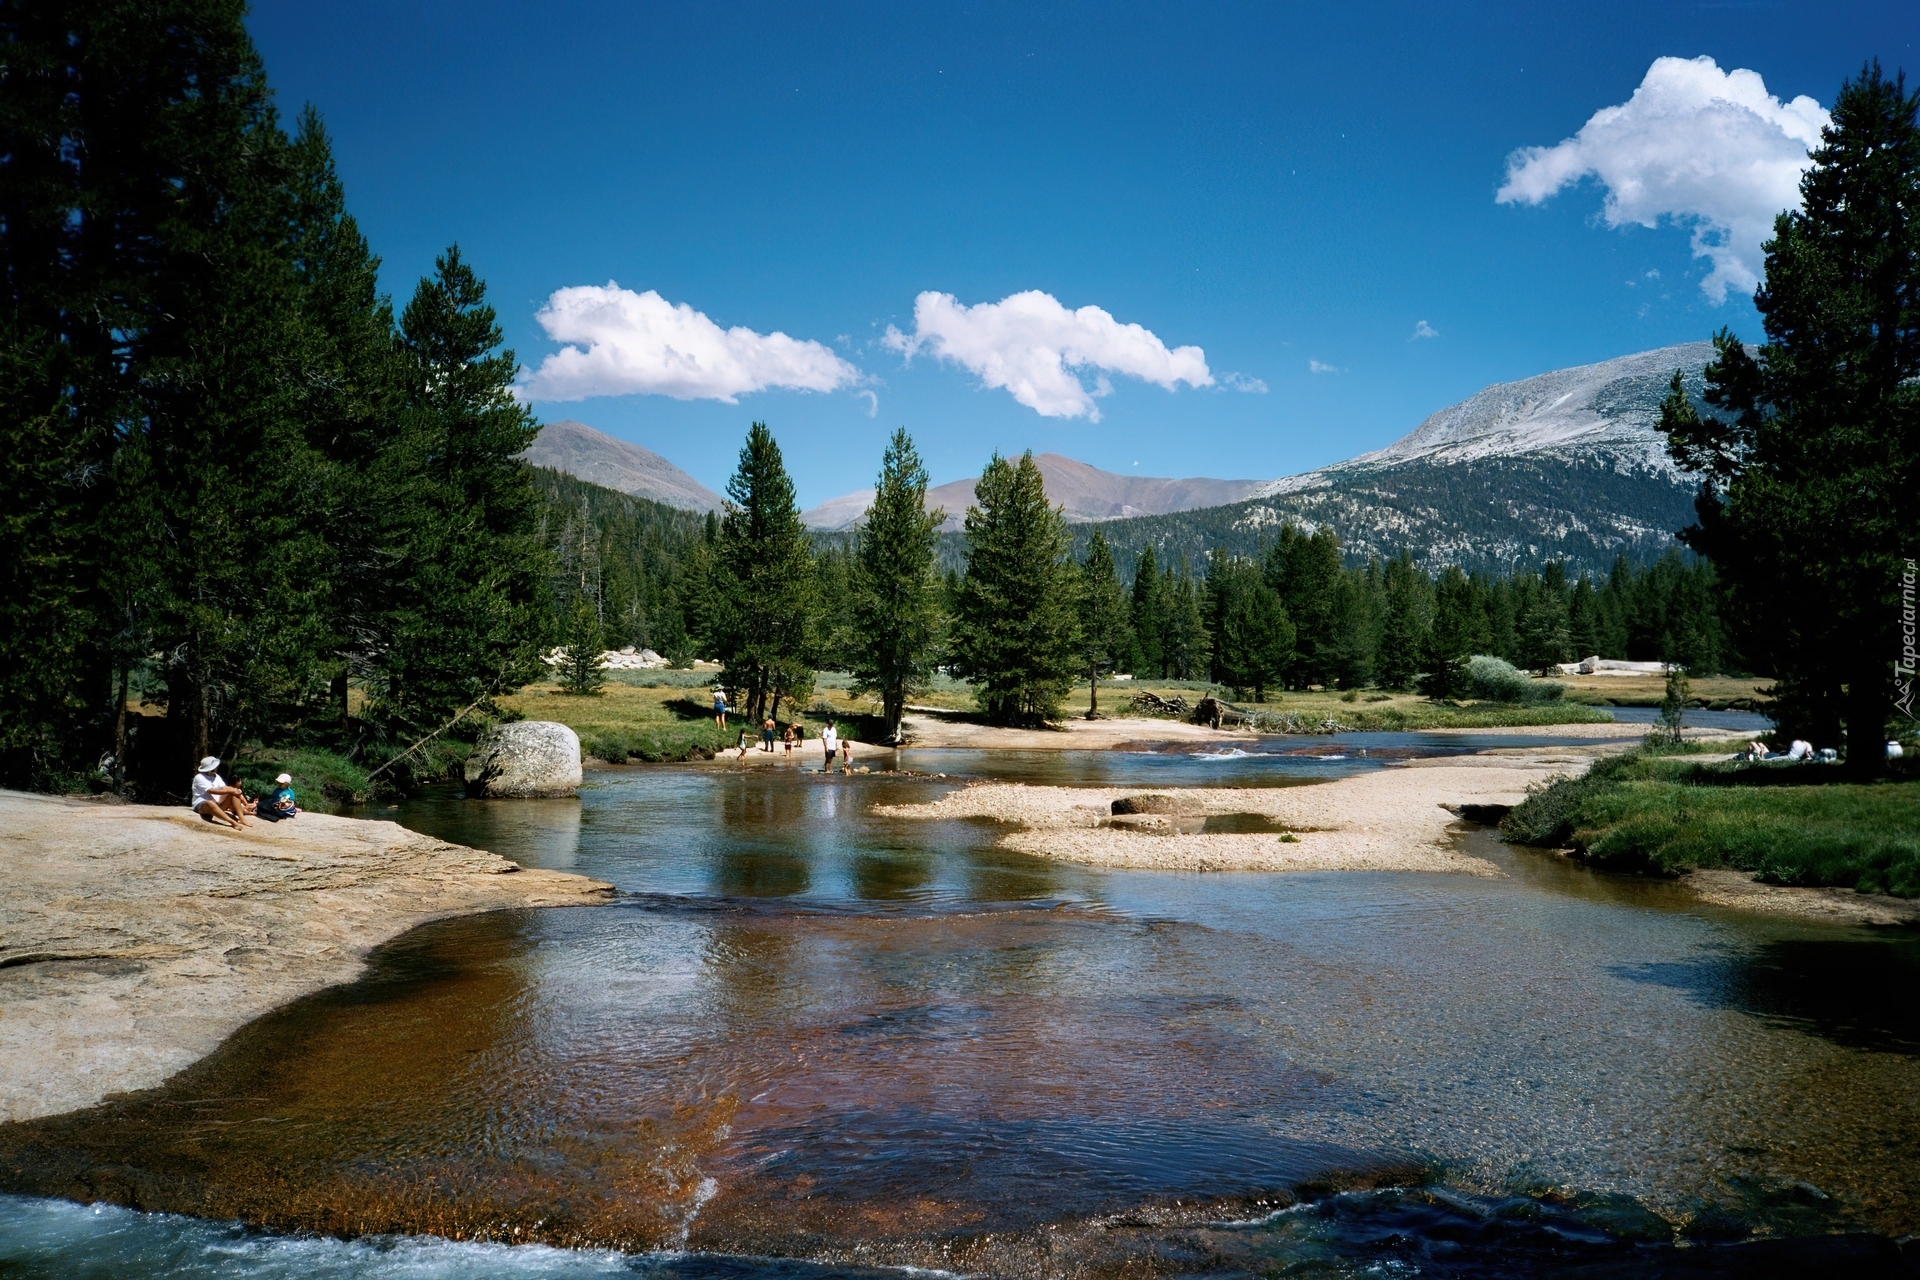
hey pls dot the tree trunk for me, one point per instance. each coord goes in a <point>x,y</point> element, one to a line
<point>895,706</point>
<point>1093,695</point>
<point>337,694</point>
<point>120,730</point>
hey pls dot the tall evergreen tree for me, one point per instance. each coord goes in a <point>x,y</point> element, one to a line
<point>1188,646</point>
<point>1583,620</point>
<point>1810,455</point>
<point>466,609</point>
<point>1147,617</point>
<point>1305,571</point>
<point>1459,631</point>
<point>352,393</point>
<point>1015,629</point>
<point>1104,638</point>
<point>763,575</point>
<point>897,613</point>
<point>833,576</point>
<point>1543,635</point>
<point>1403,636</point>
<point>1253,637</point>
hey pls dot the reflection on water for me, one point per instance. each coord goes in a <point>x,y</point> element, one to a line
<point>1863,993</point>
<point>807,1030</point>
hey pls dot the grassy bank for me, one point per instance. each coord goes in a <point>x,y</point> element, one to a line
<point>325,781</point>
<point>1712,693</point>
<point>1665,813</point>
<point>1355,711</point>
<point>667,716</point>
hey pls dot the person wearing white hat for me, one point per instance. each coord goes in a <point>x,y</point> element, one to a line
<point>281,804</point>
<point>216,801</point>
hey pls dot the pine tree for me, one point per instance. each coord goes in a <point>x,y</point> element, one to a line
<point>1404,631</point>
<point>897,606</point>
<point>1543,636</point>
<point>466,609</point>
<point>582,668</point>
<point>1809,454</point>
<point>1015,630</point>
<point>1503,637</point>
<point>835,632</point>
<point>1459,631</point>
<point>766,605</point>
<point>1253,637</point>
<point>1187,647</point>
<point>1147,620</point>
<point>1104,638</point>
<point>351,397</point>
<point>1305,571</point>
<point>1583,621</point>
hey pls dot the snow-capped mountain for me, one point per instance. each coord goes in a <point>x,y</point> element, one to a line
<point>1564,466</point>
<point>1600,413</point>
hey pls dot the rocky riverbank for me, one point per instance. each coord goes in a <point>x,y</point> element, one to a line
<point>135,938</point>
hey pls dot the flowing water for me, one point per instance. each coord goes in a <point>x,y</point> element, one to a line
<point>808,1039</point>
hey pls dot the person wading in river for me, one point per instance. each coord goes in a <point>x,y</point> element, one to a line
<point>830,743</point>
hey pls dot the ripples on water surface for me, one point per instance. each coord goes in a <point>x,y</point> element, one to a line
<point>806,1030</point>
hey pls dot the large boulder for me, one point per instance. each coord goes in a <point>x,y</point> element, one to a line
<point>525,758</point>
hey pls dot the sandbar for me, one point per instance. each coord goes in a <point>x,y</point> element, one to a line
<point>1392,819</point>
<point>135,938</point>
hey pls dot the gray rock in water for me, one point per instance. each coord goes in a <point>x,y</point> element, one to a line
<point>525,758</point>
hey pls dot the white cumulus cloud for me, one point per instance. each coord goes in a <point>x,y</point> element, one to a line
<point>1423,330</point>
<point>1695,144</point>
<point>620,343</point>
<point>1245,382</point>
<point>1031,346</point>
<point>1321,366</point>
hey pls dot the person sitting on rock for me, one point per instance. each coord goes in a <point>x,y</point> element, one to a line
<point>216,801</point>
<point>281,804</point>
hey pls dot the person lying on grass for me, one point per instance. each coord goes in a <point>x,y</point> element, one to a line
<point>215,801</point>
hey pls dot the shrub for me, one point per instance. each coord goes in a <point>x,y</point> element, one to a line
<point>1646,811</point>
<point>611,747</point>
<point>1493,679</point>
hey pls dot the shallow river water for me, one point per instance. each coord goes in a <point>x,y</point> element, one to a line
<point>807,1039</point>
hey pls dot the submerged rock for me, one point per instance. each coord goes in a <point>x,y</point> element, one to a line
<point>523,759</point>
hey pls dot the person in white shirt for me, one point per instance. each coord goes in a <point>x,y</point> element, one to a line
<point>831,742</point>
<point>214,800</point>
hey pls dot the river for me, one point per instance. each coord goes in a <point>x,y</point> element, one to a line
<point>805,1031</point>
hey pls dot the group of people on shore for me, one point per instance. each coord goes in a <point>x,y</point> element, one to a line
<point>219,801</point>
<point>830,741</point>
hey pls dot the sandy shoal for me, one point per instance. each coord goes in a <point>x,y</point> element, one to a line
<point>135,938</point>
<point>1392,819</point>
<point>1073,734</point>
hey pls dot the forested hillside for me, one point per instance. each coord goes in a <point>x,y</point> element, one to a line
<point>1490,515</point>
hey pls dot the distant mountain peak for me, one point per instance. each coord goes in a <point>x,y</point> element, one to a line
<point>598,458</point>
<point>1602,413</point>
<point>1086,492</point>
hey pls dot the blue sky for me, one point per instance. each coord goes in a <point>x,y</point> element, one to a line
<point>1282,188</point>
